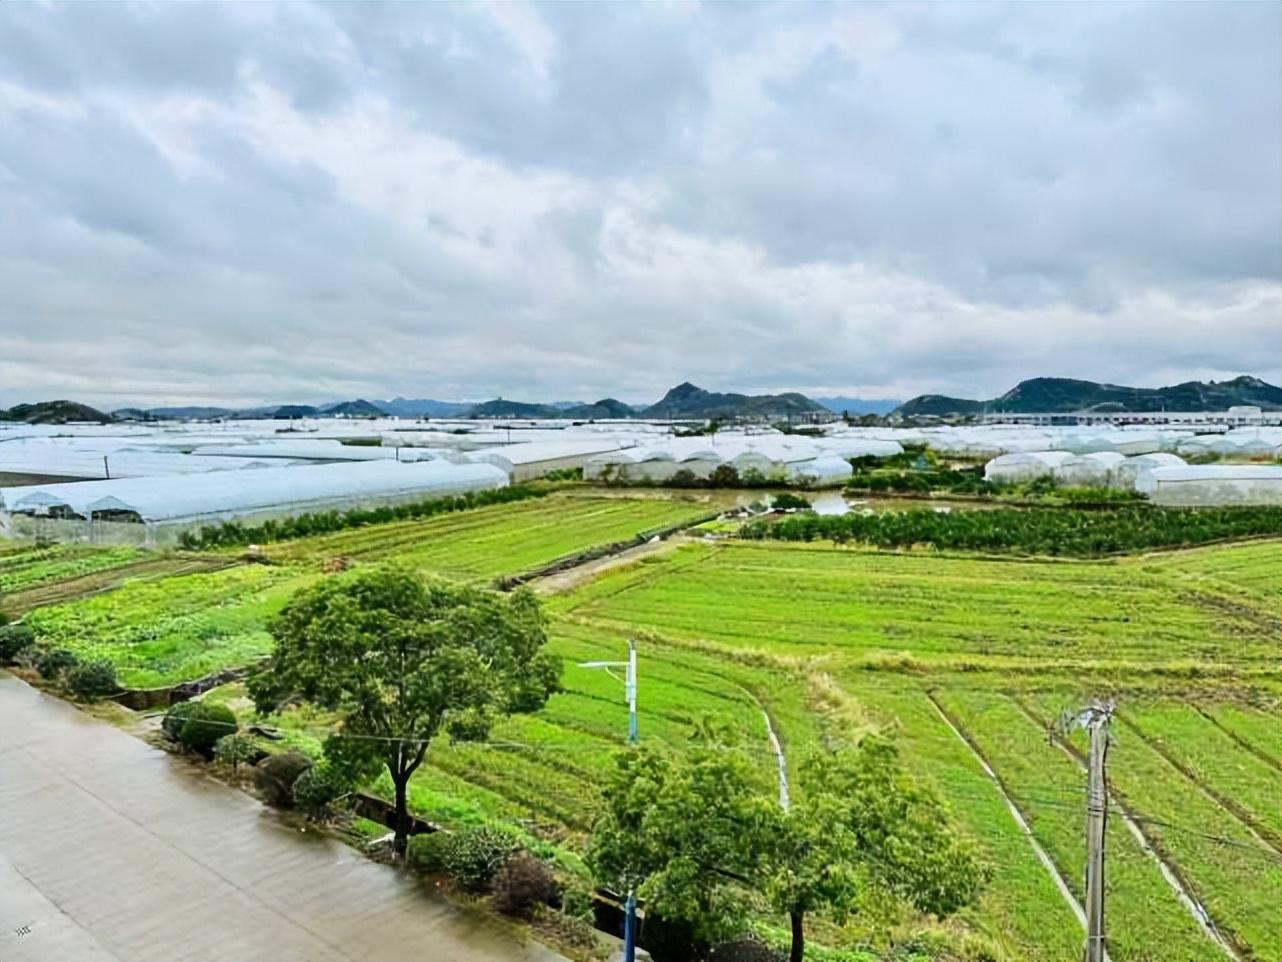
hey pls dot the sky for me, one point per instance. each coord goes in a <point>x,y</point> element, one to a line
<point>250,203</point>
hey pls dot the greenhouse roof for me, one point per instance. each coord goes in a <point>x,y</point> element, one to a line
<point>229,494</point>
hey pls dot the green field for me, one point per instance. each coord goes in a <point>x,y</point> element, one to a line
<point>483,543</point>
<point>23,568</point>
<point>966,659</point>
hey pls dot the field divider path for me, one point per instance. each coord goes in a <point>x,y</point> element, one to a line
<point>1248,821</point>
<point>1025,829</point>
<point>781,760</point>
<point>1182,887</point>
<point>1241,742</point>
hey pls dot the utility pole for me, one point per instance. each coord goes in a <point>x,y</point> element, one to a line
<point>630,693</point>
<point>1095,720</point>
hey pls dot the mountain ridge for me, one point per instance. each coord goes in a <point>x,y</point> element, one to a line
<point>1062,395</point>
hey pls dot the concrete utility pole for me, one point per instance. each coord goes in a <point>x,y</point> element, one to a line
<point>630,693</point>
<point>1095,720</point>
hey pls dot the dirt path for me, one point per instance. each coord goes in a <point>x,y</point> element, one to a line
<point>574,577</point>
<point>112,849</point>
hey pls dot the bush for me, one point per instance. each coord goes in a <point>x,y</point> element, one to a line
<point>315,789</point>
<point>275,775</point>
<point>426,852</point>
<point>235,749</point>
<point>14,640</point>
<point>93,679</point>
<point>53,663</point>
<point>205,725</point>
<point>176,717</point>
<point>476,855</point>
<point>785,501</point>
<point>521,884</point>
<point>4,618</point>
<point>724,476</point>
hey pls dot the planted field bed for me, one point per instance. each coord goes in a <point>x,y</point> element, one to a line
<point>484,543</point>
<point>875,607</point>
<point>24,568</point>
<point>166,631</point>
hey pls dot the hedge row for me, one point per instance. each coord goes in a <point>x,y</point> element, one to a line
<point>233,533</point>
<point>1046,531</point>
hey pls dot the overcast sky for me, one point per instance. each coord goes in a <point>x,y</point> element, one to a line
<point>248,203</point>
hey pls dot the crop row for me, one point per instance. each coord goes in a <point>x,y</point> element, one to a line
<point>161,632</point>
<point>802,601</point>
<point>32,567</point>
<point>1036,531</point>
<point>482,544</point>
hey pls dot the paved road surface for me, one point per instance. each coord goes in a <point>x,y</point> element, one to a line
<point>111,849</point>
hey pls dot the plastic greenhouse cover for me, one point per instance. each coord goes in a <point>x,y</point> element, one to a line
<point>228,494</point>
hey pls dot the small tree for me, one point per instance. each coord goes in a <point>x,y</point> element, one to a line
<point>400,660</point>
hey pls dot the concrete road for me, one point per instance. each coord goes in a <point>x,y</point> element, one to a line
<point>112,849</point>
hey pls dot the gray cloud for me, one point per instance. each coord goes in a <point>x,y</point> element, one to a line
<point>250,202</point>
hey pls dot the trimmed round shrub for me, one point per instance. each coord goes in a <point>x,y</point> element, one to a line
<point>205,725</point>
<point>53,663</point>
<point>315,789</point>
<point>14,640</point>
<point>523,883</point>
<point>91,679</point>
<point>275,775</point>
<point>236,749</point>
<point>473,856</point>
<point>176,717</point>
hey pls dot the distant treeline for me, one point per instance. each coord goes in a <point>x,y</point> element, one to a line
<point>234,534</point>
<point>1043,531</point>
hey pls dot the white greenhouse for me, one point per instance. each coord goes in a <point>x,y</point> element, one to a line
<point>1127,474</point>
<point>1213,484</point>
<point>1095,469</point>
<point>1024,466</point>
<point>826,472</point>
<point>155,511</point>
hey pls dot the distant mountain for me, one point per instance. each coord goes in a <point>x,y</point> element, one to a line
<point>607,407</point>
<point>503,408</point>
<point>54,412</point>
<point>278,411</point>
<point>190,413</point>
<point>360,408</point>
<point>1064,395</point>
<point>424,407</point>
<point>688,401</point>
<point>856,405</point>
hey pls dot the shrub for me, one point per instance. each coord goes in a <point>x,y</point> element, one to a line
<point>315,789</point>
<point>14,640</point>
<point>477,854</point>
<point>785,501</point>
<point>4,618</point>
<point>521,884</point>
<point>235,749</point>
<point>724,476</point>
<point>205,725</point>
<point>176,717</point>
<point>93,679</point>
<point>275,775</point>
<point>426,852</point>
<point>53,663</point>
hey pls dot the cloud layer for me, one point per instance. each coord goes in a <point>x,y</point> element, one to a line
<point>246,202</point>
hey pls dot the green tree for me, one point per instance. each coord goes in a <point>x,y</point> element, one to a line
<point>400,659</point>
<point>696,835</point>
<point>865,825</point>
<point>686,833</point>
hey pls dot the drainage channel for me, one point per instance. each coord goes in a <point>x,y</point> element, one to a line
<point>1017,815</point>
<point>776,746</point>
<point>1173,879</point>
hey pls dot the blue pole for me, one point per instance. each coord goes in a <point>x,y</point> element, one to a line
<point>630,929</point>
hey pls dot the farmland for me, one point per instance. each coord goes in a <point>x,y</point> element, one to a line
<point>966,659</point>
<point>484,543</point>
<point>24,568</point>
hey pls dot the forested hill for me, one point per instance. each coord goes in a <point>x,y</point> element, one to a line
<point>1060,394</point>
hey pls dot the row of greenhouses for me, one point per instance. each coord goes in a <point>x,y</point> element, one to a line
<point>155,511</point>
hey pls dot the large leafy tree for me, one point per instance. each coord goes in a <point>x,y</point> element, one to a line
<point>401,659</point>
<point>699,837</point>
